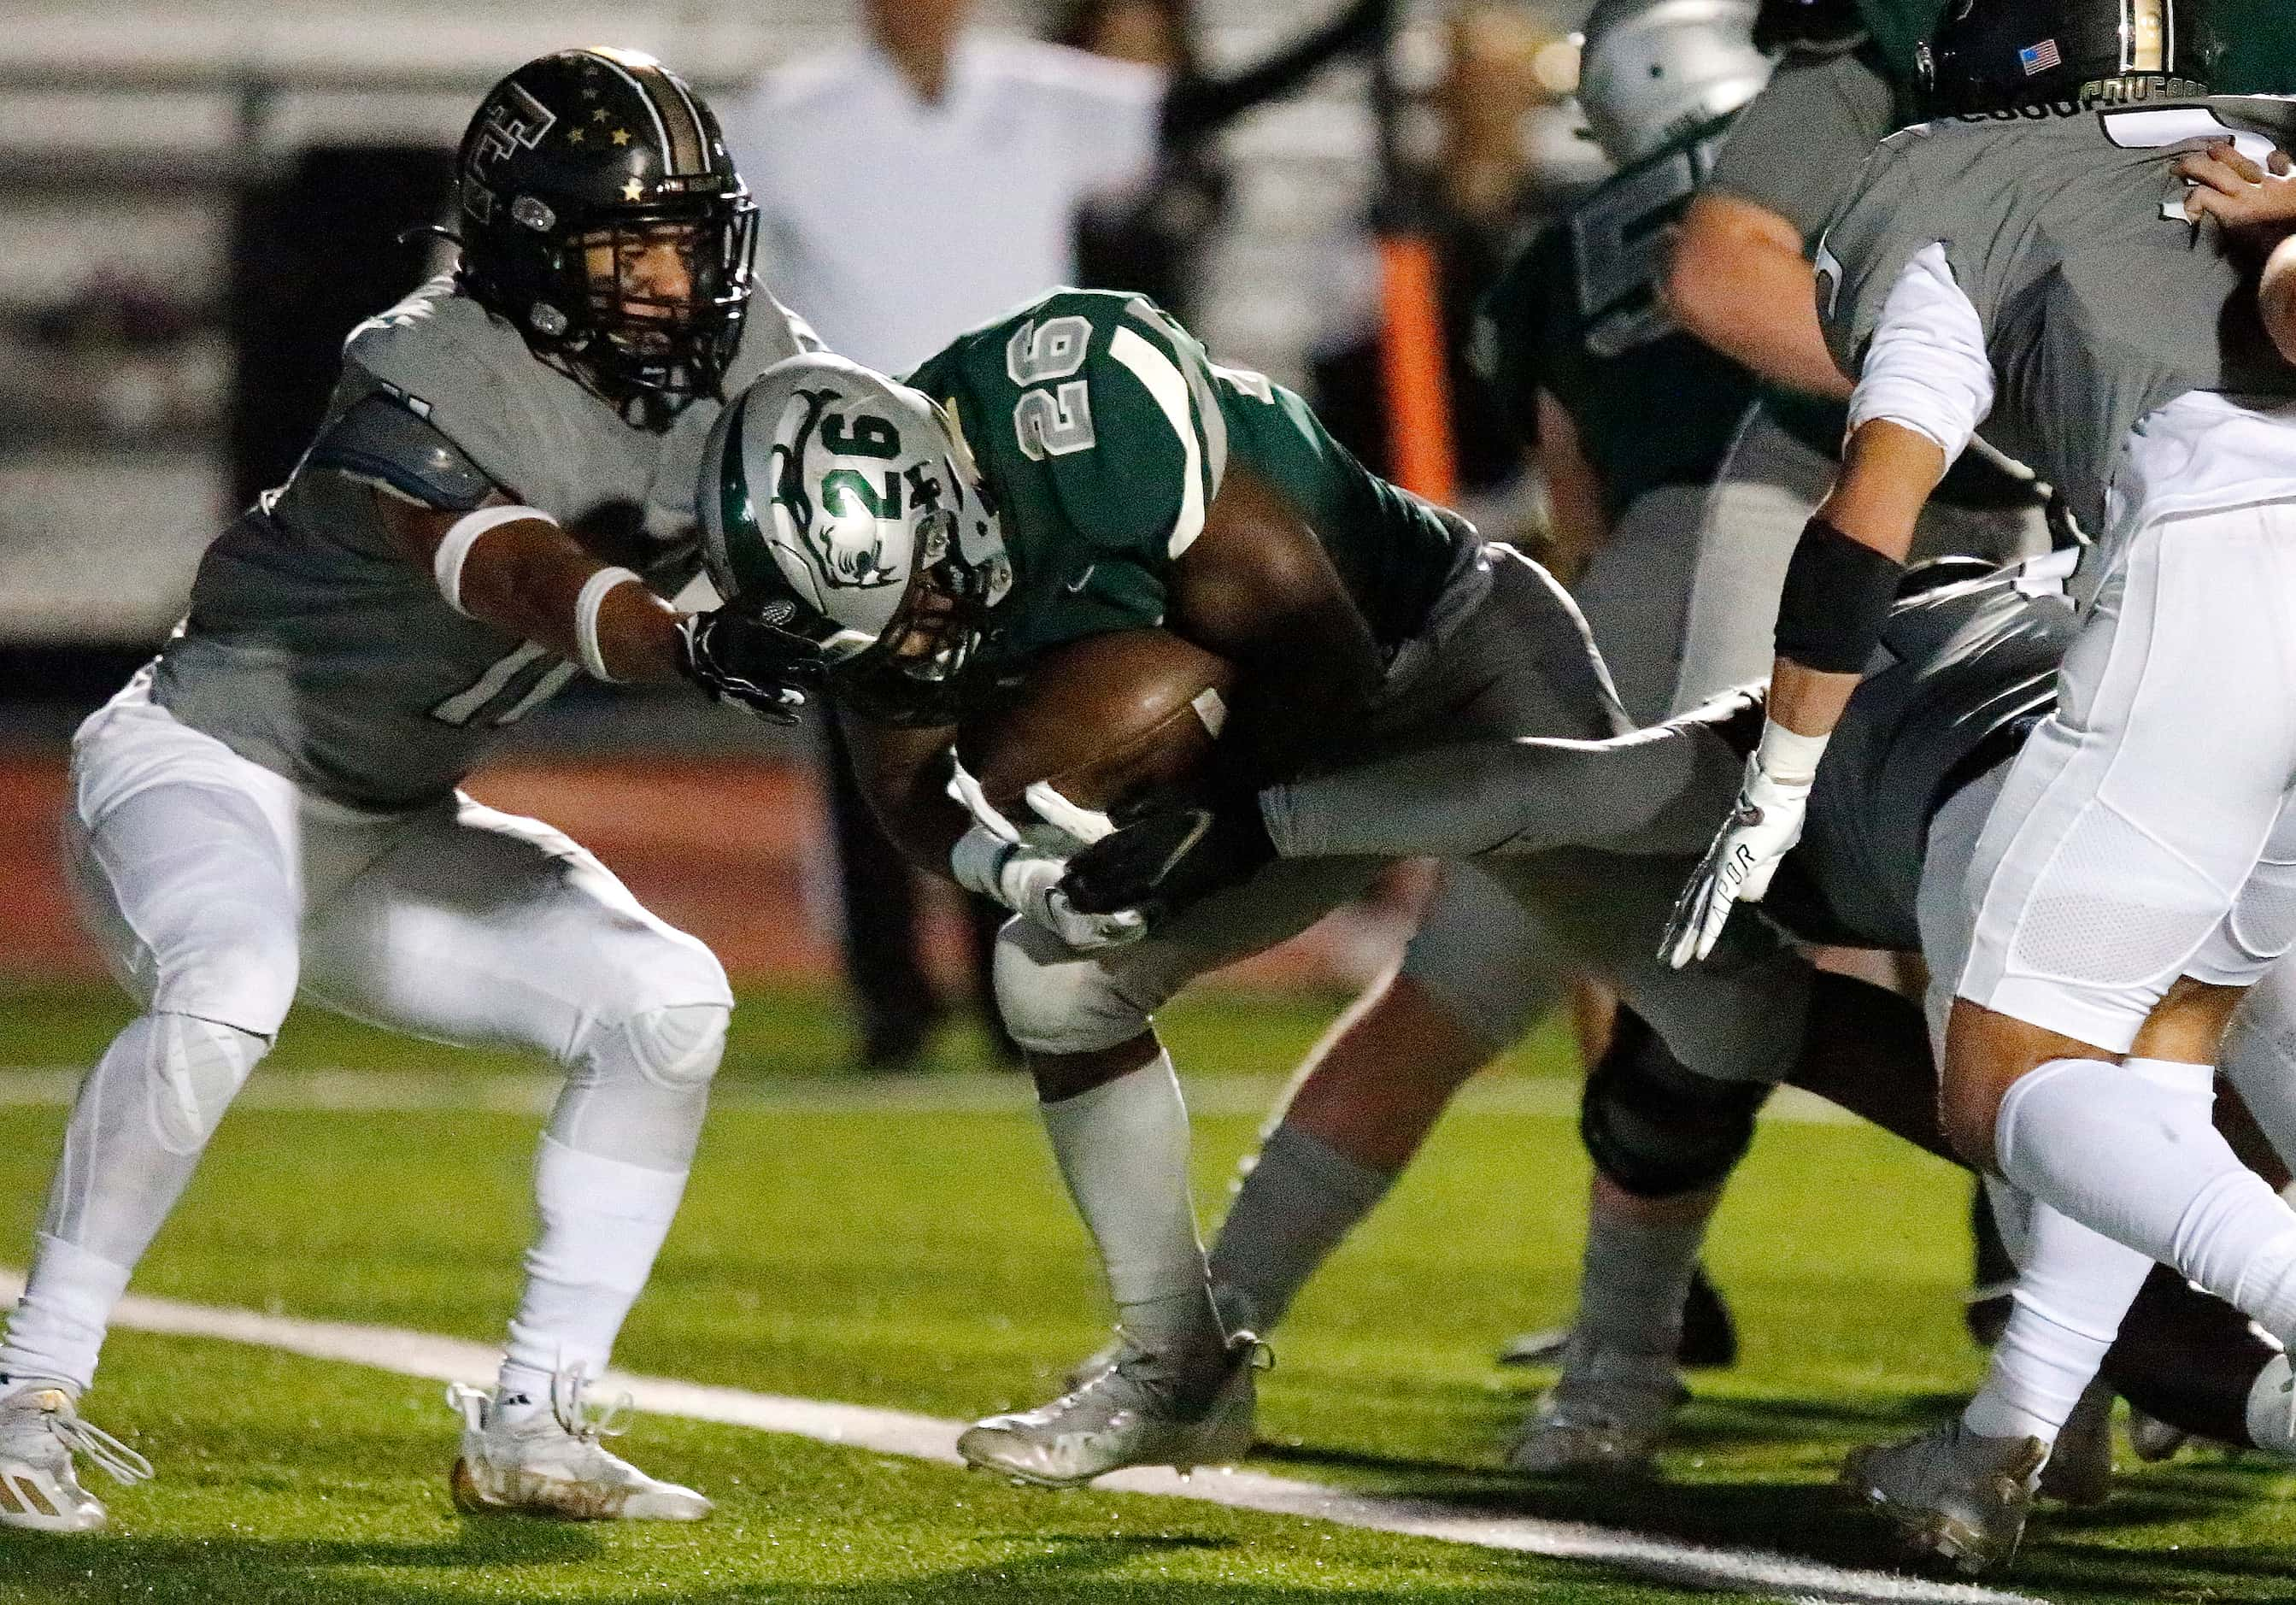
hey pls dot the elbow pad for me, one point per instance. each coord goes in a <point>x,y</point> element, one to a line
<point>1837,598</point>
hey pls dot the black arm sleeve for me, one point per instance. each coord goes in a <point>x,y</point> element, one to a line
<point>1201,103</point>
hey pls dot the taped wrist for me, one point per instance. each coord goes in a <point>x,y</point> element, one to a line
<point>1837,598</point>
<point>1656,1128</point>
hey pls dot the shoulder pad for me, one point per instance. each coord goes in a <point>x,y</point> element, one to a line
<point>382,439</point>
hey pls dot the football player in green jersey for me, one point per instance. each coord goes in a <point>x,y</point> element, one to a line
<point>1083,466</point>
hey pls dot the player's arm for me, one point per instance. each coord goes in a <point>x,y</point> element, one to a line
<point>1257,587</point>
<point>1736,278</point>
<point>1925,385</point>
<point>2277,297</point>
<point>519,569</point>
<point>1577,523</point>
<point>904,771</point>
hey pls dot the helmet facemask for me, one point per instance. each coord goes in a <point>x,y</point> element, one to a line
<point>665,297</point>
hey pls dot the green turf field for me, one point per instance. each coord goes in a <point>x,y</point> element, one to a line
<point>901,1254</point>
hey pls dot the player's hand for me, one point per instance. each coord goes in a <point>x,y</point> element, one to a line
<point>2236,192</point>
<point>1760,831</point>
<point>1027,880</point>
<point>745,663</point>
<point>1166,862</point>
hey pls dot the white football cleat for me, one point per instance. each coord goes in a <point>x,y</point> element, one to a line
<point>1951,1493</point>
<point>1130,1413</point>
<point>40,1430</point>
<point>549,1462</point>
<point>1604,1415</point>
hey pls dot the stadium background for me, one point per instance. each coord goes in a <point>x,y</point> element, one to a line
<point>196,201</point>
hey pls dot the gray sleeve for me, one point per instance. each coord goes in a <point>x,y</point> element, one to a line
<point>1797,146</point>
<point>471,378</point>
<point>1662,790</point>
<point>379,440</point>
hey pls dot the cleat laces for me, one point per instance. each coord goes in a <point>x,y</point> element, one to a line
<point>115,1459</point>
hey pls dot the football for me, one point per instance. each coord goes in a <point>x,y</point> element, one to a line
<point>1108,721</point>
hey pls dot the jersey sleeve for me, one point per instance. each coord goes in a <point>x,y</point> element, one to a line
<point>451,365</point>
<point>1106,412</point>
<point>380,439</point>
<point>1926,367</point>
<point>1796,147</point>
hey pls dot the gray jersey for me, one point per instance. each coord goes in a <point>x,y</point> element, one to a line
<point>1797,146</point>
<point>2096,308</point>
<point>315,649</point>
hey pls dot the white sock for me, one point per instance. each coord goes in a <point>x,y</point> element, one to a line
<point>2072,1289</point>
<point>1298,1200</point>
<point>2137,1159</point>
<point>54,1334</point>
<point>602,1223</point>
<point>1123,1149</point>
<point>1632,1281</point>
<point>2272,1410</point>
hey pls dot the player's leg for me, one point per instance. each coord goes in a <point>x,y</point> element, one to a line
<point>1181,1390</point>
<point>483,927</point>
<point>191,886</point>
<point>2101,875</point>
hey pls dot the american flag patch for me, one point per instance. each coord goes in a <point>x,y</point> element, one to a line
<point>2041,57</point>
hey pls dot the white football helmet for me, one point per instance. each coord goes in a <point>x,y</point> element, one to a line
<point>1652,70</point>
<point>844,509</point>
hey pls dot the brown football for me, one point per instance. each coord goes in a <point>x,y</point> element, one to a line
<point>1108,719</point>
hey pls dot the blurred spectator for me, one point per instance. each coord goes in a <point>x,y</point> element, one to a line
<point>1485,102</point>
<point>912,186</point>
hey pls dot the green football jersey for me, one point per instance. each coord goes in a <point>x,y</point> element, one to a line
<point>1102,431</point>
<point>1577,314</point>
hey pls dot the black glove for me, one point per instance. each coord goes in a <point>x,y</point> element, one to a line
<point>1166,862</point>
<point>745,663</point>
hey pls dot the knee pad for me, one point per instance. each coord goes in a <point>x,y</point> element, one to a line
<point>1057,1001</point>
<point>192,1068</point>
<point>677,1047</point>
<point>1656,1129</point>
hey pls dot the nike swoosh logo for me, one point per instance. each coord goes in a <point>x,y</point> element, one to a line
<point>1076,586</point>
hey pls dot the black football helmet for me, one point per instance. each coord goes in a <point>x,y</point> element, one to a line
<point>1821,26</point>
<point>1998,55</point>
<point>576,168</point>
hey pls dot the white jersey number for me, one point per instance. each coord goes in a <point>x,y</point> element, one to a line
<point>1056,421</point>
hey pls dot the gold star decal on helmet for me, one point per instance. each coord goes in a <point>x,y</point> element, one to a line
<point>633,191</point>
<point>598,114</point>
<point>574,135</point>
<point>621,137</point>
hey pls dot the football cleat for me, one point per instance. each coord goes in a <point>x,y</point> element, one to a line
<point>40,1431</point>
<point>1132,1413</point>
<point>550,1462</point>
<point>1951,1494</point>
<point>1603,1416</point>
<point>2079,1471</point>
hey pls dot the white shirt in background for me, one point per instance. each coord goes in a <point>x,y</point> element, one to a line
<point>892,224</point>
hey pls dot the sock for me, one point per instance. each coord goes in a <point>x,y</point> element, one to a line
<point>1300,1196</point>
<point>1632,1281</point>
<point>2272,1410</point>
<point>2127,1150</point>
<point>1123,1150</point>
<point>2070,1293</point>
<point>55,1332</point>
<point>602,1223</point>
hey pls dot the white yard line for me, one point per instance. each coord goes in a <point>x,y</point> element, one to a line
<point>415,1092</point>
<point>928,1439</point>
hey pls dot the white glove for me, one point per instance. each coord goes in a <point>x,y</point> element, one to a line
<point>1027,880</point>
<point>1747,851</point>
